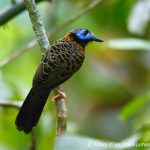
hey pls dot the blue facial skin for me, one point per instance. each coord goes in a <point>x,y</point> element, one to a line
<point>84,36</point>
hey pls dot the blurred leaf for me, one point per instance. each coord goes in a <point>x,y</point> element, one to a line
<point>145,127</point>
<point>65,142</point>
<point>129,44</point>
<point>134,106</point>
<point>144,137</point>
<point>5,148</point>
<point>139,17</point>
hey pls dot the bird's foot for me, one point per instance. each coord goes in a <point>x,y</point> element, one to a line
<point>59,95</point>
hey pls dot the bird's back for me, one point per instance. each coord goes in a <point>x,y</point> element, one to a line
<point>59,63</point>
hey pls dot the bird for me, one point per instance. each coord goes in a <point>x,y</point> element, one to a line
<point>58,64</point>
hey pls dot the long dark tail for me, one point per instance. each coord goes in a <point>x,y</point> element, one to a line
<point>31,110</point>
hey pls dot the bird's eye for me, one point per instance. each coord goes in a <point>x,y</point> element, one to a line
<point>85,32</point>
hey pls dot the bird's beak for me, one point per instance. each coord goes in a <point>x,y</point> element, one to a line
<point>95,38</point>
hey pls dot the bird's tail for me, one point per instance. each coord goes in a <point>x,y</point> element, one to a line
<point>31,110</point>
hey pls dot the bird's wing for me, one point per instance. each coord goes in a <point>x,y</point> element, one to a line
<point>50,73</point>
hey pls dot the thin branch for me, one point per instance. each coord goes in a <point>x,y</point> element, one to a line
<point>37,25</point>
<point>73,18</point>
<point>17,54</point>
<point>61,114</point>
<point>9,12</point>
<point>10,104</point>
<point>33,142</point>
<point>57,28</point>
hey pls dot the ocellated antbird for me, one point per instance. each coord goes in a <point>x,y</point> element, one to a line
<point>58,64</point>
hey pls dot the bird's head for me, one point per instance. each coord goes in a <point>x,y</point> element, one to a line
<point>83,36</point>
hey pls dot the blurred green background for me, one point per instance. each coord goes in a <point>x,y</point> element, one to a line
<point>107,100</point>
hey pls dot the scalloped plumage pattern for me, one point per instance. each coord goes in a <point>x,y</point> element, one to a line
<point>58,64</point>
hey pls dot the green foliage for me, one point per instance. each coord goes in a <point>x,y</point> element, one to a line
<point>108,100</point>
<point>135,106</point>
<point>129,44</point>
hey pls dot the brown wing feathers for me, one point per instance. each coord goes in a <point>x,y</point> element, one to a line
<point>57,65</point>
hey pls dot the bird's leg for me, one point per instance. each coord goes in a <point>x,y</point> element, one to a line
<point>59,94</point>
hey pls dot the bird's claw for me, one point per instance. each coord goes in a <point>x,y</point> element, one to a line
<point>59,95</point>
